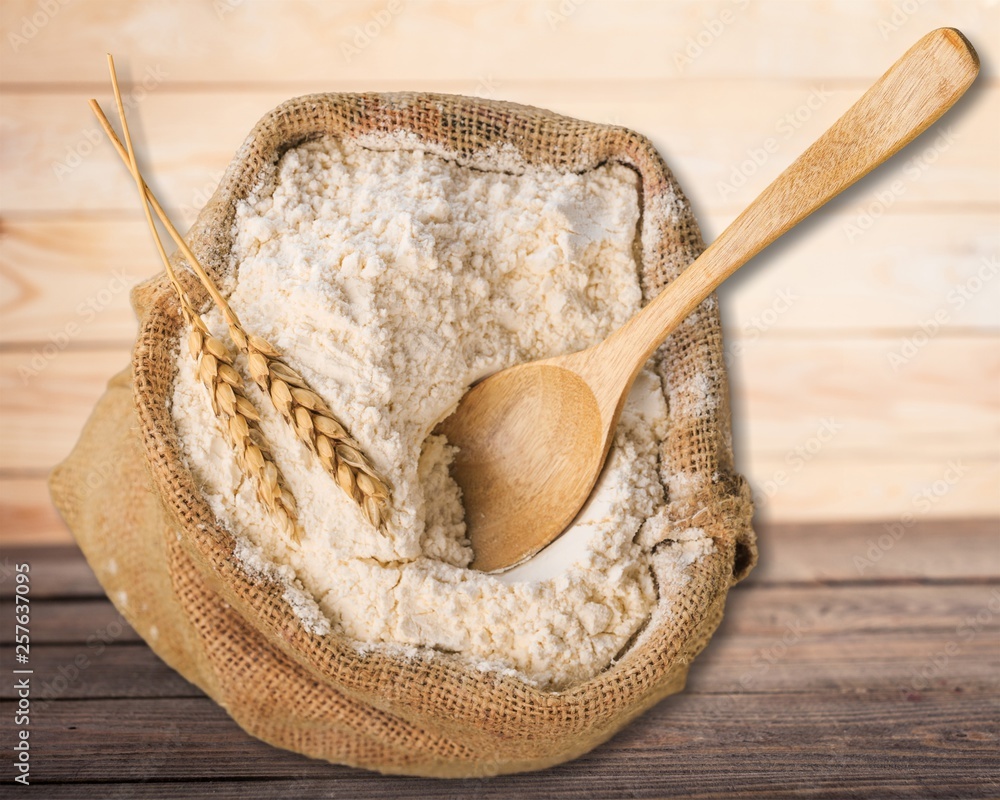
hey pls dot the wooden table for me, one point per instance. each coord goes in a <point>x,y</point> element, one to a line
<point>850,664</point>
<point>846,665</point>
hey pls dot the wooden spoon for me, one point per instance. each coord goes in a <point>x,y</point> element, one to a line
<point>533,439</point>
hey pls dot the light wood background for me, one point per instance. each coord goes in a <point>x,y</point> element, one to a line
<point>811,328</point>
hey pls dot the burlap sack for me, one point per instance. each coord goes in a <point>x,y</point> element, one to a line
<point>168,564</point>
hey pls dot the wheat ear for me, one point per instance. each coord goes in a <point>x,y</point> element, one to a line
<point>303,409</point>
<point>240,419</point>
<point>314,423</point>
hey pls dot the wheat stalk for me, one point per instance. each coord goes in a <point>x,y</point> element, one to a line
<point>302,408</point>
<point>237,414</point>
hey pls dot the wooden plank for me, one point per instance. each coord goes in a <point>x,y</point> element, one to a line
<point>921,549</point>
<point>54,157</point>
<point>56,571</point>
<point>50,393</point>
<point>597,40</point>
<point>770,611</point>
<point>66,271</point>
<point>809,781</point>
<point>83,623</point>
<point>925,550</point>
<point>71,278</point>
<point>101,670</point>
<point>27,516</point>
<point>905,661</point>
<point>857,487</point>
<point>832,398</point>
<point>908,269</point>
<point>908,638</point>
<point>763,611</point>
<point>688,745</point>
<point>773,639</point>
<point>864,485</point>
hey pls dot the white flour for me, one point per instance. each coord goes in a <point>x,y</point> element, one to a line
<point>392,279</point>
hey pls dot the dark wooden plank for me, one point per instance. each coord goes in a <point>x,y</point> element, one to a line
<point>59,571</point>
<point>907,661</point>
<point>764,609</point>
<point>929,550</point>
<point>540,785</point>
<point>760,609</point>
<point>62,672</point>
<point>775,639</point>
<point>878,744</point>
<point>924,549</point>
<point>84,621</point>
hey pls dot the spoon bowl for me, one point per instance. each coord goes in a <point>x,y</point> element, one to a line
<point>532,439</point>
<point>510,484</point>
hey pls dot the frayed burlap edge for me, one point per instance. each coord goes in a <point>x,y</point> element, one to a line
<point>175,577</point>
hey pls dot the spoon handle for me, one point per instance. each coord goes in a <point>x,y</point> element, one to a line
<point>916,90</point>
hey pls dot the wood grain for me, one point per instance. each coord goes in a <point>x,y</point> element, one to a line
<point>773,639</point>
<point>862,485</point>
<point>688,745</point>
<point>939,408</point>
<point>926,551</point>
<point>818,677</point>
<point>919,550</point>
<point>914,93</point>
<point>27,515</point>
<point>948,385</point>
<point>51,392</point>
<point>71,275</point>
<point>427,40</point>
<point>60,624</point>
<point>835,712</point>
<point>65,270</point>
<point>54,158</point>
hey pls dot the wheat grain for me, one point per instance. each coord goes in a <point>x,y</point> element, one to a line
<point>313,423</point>
<point>240,421</point>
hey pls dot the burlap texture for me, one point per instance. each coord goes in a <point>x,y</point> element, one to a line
<point>168,563</point>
